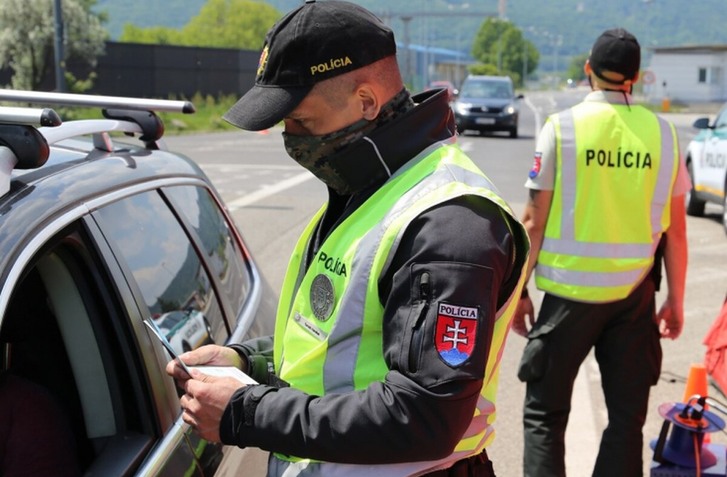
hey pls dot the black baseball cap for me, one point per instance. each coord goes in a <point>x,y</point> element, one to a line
<point>315,42</point>
<point>616,50</point>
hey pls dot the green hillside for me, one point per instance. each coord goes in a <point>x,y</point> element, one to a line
<point>559,28</point>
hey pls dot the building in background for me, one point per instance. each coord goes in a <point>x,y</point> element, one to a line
<point>687,74</point>
<point>420,65</point>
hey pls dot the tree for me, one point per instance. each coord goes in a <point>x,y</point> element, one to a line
<point>575,69</point>
<point>152,35</point>
<point>27,32</point>
<point>220,23</point>
<point>500,45</point>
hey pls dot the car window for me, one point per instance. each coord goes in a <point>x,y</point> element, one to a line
<point>170,275</point>
<point>721,121</point>
<point>486,89</point>
<point>224,254</point>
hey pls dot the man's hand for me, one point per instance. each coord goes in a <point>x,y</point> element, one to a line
<point>208,355</point>
<point>670,318</point>
<point>205,401</point>
<point>524,318</point>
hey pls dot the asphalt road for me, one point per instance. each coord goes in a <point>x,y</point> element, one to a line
<point>272,199</point>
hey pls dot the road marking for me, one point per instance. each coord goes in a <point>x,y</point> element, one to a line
<point>536,112</point>
<point>465,144</point>
<point>267,191</point>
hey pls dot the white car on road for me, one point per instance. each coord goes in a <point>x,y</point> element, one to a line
<point>706,160</point>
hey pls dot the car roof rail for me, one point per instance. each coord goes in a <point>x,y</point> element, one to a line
<point>22,146</point>
<point>140,112</point>
<point>29,116</point>
<point>97,101</point>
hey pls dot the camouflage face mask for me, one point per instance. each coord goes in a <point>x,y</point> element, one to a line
<point>312,152</point>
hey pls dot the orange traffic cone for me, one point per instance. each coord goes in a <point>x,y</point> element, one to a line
<point>697,384</point>
<point>696,381</point>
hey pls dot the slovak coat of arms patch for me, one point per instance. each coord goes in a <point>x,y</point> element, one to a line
<point>456,332</point>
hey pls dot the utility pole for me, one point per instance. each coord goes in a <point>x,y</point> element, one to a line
<point>525,62</point>
<point>408,16</point>
<point>59,60</point>
<point>407,41</point>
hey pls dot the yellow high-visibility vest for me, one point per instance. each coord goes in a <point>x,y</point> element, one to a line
<point>616,168</point>
<point>328,336</point>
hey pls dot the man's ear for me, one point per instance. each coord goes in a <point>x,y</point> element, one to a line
<point>370,104</point>
<point>587,67</point>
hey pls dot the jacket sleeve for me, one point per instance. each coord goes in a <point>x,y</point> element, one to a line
<point>459,254</point>
<point>258,356</point>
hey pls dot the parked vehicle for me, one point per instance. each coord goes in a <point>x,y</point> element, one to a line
<point>98,232</point>
<point>706,160</point>
<point>487,103</point>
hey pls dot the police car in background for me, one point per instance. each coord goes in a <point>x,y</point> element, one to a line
<point>706,160</point>
<point>185,329</point>
<point>102,227</point>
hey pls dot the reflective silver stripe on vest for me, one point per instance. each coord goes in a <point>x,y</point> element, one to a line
<point>344,339</point>
<point>598,250</point>
<point>669,157</point>
<point>595,279</point>
<point>567,244</point>
<point>568,175</point>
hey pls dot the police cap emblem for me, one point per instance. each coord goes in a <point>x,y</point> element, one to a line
<point>322,297</point>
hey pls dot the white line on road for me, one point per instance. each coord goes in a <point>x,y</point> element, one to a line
<point>267,191</point>
<point>464,144</point>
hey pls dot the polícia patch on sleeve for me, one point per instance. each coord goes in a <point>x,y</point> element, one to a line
<point>456,332</point>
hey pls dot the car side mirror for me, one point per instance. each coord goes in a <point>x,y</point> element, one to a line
<point>701,123</point>
<point>520,96</point>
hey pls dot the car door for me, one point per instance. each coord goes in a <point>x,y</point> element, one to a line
<point>74,323</point>
<point>713,162</point>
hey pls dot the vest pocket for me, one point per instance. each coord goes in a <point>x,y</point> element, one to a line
<point>534,360</point>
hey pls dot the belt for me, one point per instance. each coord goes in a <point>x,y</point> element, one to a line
<point>476,466</point>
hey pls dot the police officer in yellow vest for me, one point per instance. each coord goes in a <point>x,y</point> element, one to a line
<point>400,292</point>
<point>606,189</point>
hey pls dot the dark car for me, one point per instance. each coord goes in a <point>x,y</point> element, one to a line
<point>487,103</point>
<point>98,232</point>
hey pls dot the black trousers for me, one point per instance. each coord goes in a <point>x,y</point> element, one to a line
<point>475,466</point>
<point>627,347</point>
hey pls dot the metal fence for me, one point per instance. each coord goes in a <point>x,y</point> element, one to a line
<point>162,71</point>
